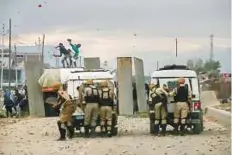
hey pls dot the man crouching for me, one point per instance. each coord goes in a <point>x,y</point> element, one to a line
<point>65,121</point>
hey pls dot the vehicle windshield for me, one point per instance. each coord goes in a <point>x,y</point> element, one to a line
<point>171,83</point>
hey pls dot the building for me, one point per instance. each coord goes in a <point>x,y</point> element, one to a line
<point>17,66</point>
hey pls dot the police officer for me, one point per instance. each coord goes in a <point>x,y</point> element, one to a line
<point>159,99</point>
<point>181,95</point>
<point>91,97</point>
<point>106,107</point>
<point>65,120</point>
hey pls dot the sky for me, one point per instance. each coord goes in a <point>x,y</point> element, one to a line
<point>141,28</point>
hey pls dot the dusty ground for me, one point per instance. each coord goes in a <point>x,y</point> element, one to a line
<point>225,106</point>
<point>37,137</point>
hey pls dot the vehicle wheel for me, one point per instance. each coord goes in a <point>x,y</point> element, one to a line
<point>114,128</point>
<point>197,128</point>
<point>202,121</point>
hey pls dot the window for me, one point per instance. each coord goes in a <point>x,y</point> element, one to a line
<point>171,83</point>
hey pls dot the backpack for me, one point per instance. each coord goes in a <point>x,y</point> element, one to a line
<point>105,94</point>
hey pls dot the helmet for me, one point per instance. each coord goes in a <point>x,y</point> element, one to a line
<point>89,82</point>
<point>104,83</point>
<point>181,80</point>
<point>152,85</point>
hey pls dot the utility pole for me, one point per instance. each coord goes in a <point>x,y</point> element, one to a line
<point>2,60</point>
<point>157,65</point>
<point>9,74</point>
<point>211,48</point>
<point>16,70</point>
<point>42,52</point>
<point>39,47</point>
<point>176,47</point>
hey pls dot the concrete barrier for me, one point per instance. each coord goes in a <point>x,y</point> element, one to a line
<point>223,117</point>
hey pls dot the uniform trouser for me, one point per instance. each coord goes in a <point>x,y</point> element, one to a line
<point>62,126</point>
<point>181,112</point>
<point>106,116</point>
<point>8,111</point>
<point>64,59</point>
<point>160,114</point>
<point>91,114</point>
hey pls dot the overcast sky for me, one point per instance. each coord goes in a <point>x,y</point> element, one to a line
<point>109,29</point>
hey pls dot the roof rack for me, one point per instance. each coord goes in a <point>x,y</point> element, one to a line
<point>174,67</point>
<point>92,70</point>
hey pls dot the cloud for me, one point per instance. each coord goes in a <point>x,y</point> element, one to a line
<point>106,28</point>
<point>159,17</point>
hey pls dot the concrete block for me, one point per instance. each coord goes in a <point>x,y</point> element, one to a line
<point>124,76</point>
<point>140,84</point>
<point>33,70</point>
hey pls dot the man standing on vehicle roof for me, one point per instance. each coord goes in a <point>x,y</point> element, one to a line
<point>63,51</point>
<point>106,107</point>
<point>91,97</point>
<point>75,48</point>
<point>159,99</point>
<point>182,97</point>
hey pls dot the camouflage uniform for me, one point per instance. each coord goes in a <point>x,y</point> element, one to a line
<point>159,99</point>
<point>182,96</point>
<point>106,107</point>
<point>91,97</point>
<point>65,121</point>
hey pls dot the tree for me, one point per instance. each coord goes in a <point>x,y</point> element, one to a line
<point>213,67</point>
<point>197,65</point>
<point>190,64</point>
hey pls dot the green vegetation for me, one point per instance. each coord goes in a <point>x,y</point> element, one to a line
<point>211,67</point>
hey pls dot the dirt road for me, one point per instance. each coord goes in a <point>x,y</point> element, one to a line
<point>37,137</point>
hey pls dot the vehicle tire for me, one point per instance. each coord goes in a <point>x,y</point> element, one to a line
<point>197,128</point>
<point>114,128</point>
<point>202,121</point>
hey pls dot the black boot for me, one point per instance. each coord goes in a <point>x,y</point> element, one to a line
<point>86,131</point>
<point>103,131</point>
<point>62,132</point>
<point>93,133</point>
<point>108,129</point>
<point>71,131</point>
<point>176,126</point>
<point>163,126</point>
<point>182,129</point>
<point>156,129</point>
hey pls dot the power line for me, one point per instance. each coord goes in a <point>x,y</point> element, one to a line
<point>9,53</point>
<point>2,61</point>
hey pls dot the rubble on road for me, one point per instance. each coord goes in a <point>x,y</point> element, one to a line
<point>38,136</point>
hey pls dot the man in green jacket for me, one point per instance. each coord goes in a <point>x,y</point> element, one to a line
<point>75,48</point>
